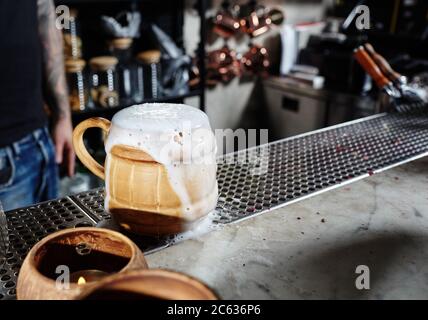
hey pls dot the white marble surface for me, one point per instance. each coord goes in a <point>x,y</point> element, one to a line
<point>310,249</point>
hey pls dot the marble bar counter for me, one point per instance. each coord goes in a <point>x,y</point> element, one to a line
<point>311,249</point>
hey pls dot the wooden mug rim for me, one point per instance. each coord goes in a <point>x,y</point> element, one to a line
<point>136,253</point>
<point>117,280</point>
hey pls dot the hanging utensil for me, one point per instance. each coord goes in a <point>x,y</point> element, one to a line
<point>222,65</point>
<point>257,22</point>
<point>226,23</point>
<point>256,60</point>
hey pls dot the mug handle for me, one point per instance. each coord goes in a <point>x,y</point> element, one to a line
<point>80,149</point>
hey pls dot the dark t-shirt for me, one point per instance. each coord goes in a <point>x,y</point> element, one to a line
<point>21,102</point>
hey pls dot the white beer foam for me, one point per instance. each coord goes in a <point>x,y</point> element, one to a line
<point>167,132</point>
<point>159,117</point>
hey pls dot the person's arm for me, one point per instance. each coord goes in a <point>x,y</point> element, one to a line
<point>55,84</point>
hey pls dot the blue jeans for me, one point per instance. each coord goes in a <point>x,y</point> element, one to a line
<point>28,172</point>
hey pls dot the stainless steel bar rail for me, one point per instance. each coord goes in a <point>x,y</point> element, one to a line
<point>251,181</point>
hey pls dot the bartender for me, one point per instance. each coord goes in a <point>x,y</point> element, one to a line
<point>32,86</point>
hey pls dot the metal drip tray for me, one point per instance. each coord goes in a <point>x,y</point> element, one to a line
<point>301,166</point>
<point>251,181</point>
<point>29,225</point>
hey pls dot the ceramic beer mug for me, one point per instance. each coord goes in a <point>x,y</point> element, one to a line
<point>160,167</point>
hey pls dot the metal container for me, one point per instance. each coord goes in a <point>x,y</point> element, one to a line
<point>293,109</point>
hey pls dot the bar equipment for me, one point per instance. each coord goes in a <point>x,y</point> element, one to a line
<point>226,21</point>
<point>415,100</point>
<point>384,66</point>
<point>401,99</point>
<point>222,66</point>
<point>257,22</point>
<point>256,60</point>
<point>256,19</point>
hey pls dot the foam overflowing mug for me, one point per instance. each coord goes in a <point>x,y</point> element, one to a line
<point>160,167</point>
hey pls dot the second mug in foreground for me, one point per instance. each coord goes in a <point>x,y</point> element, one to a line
<point>160,168</point>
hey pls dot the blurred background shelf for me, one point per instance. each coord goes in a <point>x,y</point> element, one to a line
<point>168,15</point>
<point>109,112</point>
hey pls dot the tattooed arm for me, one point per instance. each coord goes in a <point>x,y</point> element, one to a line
<point>55,84</point>
<point>53,57</point>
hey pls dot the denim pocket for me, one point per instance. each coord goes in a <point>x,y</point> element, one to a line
<point>7,168</point>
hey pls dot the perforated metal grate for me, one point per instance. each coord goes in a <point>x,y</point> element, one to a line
<point>29,225</point>
<point>93,203</point>
<point>290,169</point>
<point>251,181</point>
